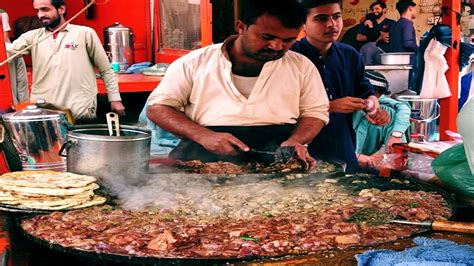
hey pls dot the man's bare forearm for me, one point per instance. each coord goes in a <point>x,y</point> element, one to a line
<point>306,130</point>
<point>175,122</point>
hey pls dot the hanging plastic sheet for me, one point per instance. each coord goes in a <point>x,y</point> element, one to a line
<point>442,34</point>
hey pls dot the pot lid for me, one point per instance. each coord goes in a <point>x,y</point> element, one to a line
<point>117,27</point>
<point>33,113</point>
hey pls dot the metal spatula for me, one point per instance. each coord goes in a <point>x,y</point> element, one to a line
<point>282,154</point>
<point>113,123</point>
<point>373,216</point>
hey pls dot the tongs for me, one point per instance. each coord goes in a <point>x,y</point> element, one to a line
<point>113,122</point>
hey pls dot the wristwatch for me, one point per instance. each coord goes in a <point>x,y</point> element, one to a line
<point>397,134</point>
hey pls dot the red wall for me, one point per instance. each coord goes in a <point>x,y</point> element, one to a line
<point>134,14</point>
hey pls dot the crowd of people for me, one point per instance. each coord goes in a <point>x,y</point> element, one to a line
<point>258,90</point>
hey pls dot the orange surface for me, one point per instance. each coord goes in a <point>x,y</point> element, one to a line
<point>133,83</point>
<point>127,82</point>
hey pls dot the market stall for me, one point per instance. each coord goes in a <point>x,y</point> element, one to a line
<point>245,214</point>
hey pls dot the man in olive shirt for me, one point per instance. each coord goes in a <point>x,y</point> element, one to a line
<point>64,64</point>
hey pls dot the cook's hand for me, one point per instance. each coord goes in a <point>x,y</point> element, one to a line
<point>384,36</point>
<point>366,161</point>
<point>381,118</point>
<point>223,144</point>
<point>390,142</point>
<point>302,153</point>
<point>346,105</point>
<point>117,107</point>
<point>368,23</point>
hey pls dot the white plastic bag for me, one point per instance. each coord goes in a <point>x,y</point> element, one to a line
<point>435,85</point>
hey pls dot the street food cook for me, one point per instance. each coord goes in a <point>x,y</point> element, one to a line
<point>248,93</point>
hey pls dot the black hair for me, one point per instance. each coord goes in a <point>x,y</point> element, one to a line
<point>58,3</point>
<point>289,12</point>
<point>380,3</point>
<point>403,5</point>
<point>309,4</point>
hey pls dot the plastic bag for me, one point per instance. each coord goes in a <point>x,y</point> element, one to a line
<point>452,168</point>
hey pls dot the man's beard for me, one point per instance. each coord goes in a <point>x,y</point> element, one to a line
<point>53,23</point>
<point>379,15</point>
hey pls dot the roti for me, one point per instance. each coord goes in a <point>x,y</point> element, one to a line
<point>46,179</point>
<point>96,200</point>
<point>50,191</point>
<point>47,202</point>
<point>13,196</point>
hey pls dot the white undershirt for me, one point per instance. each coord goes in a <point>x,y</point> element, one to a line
<point>244,84</point>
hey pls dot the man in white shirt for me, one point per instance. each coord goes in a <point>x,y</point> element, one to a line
<point>64,64</point>
<point>247,93</point>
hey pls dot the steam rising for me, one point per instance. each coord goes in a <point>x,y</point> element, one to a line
<point>241,196</point>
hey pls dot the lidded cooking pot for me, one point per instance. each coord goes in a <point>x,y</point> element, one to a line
<point>114,160</point>
<point>38,135</point>
<point>118,41</point>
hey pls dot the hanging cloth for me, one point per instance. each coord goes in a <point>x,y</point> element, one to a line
<point>435,85</point>
<point>443,34</point>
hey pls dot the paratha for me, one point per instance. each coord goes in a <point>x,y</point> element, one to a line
<point>46,179</point>
<point>6,196</point>
<point>50,191</point>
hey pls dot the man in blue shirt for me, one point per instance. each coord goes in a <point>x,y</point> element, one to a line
<point>402,33</point>
<point>342,70</point>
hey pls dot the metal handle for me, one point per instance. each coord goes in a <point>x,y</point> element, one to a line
<point>2,133</point>
<point>113,122</point>
<point>65,147</point>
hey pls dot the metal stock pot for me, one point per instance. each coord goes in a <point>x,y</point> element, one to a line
<point>37,135</point>
<point>112,159</point>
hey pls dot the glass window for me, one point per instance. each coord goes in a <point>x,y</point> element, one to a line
<point>180,24</point>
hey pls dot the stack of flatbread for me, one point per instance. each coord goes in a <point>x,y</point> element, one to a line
<point>48,190</point>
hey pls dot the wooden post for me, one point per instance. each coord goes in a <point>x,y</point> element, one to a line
<point>449,106</point>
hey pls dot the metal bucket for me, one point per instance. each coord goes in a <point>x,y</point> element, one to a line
<point>114,160</point>
<point>38,135</point>
<point>423,117</point>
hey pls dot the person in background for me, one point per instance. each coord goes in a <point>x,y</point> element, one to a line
<point>17,68</point>
<point>64,64</point>
<point>350,37</point>
<point>162,141</point>
<point>377,25</point>
<point>370,137</point>
<point>247,93</point>
<point>370,52</point>
<point>342,70</point>
<point>402,33</point>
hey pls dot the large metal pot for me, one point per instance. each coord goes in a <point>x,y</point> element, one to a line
<point>396,58</point>
<point>114,160</point>
<point>118,41</point>
<point>38,135</point>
